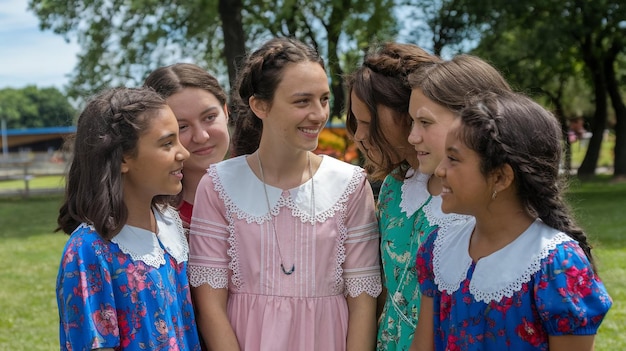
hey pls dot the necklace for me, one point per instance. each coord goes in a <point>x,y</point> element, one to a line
<point>269,210</point>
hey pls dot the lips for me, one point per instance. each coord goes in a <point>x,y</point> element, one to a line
<point>203,151</point>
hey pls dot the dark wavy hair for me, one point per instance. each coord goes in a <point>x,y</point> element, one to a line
<point>382,80</point>
<point>259,76</point>
<point>107,130</point>
<point>510,128</point>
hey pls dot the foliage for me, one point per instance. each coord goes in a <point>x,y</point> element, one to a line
<point>588,35</point>
<point>123,40</point>
<point>33,107</point>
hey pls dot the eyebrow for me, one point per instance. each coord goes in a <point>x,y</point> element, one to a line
<point>209,109</point>
<point>452,149</point>
<point>166,136</point>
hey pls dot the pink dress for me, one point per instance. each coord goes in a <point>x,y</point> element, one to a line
<point>335,254</point>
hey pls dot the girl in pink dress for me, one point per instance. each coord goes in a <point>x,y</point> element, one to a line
<point>283,242</point>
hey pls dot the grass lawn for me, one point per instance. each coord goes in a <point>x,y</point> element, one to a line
<point>30,253</point>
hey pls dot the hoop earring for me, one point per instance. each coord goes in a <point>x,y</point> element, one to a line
<point>494,195</point>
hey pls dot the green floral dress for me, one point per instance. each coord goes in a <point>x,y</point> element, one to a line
<point>407,213</point>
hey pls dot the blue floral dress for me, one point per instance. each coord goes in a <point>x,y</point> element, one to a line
<point>406,213</point>
<point>127,294</point>
<point>540,284</point>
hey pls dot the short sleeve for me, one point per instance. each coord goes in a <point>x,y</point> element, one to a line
<point>424,266</point>
<point>208,238</point>
<point>87,311</point>
<point>361,268</point>
<point>570,297</point>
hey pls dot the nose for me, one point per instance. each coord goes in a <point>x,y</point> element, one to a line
<point>200,135</point>
<point>415,137</point>
<point>440,171</point>
<point>182,153</point>
<point>320,113</point>
<point>361,133</point>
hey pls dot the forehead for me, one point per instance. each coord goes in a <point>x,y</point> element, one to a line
<point>303,77</point>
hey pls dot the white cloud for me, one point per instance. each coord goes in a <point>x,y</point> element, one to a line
<point>29,56</point>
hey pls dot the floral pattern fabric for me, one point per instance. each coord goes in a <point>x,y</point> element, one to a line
<point>563,297</point>
<point>108,300</point>
<point>401,236</point>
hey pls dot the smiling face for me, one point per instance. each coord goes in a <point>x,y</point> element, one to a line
<point>466,189</point>
<point>299,109</point>
<point>157,163</point>
<point>395,134</point>
<point>203,125</point>
<point>431,123</point>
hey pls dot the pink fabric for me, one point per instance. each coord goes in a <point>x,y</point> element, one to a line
<point>269,310</point>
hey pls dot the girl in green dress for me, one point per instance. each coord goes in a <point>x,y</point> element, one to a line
<point>378,120</point>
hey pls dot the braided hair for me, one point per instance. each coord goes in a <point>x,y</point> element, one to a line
<point>510,128</point>
<point>382,80</point>
<point>107,130</point>
<point>259,76</point>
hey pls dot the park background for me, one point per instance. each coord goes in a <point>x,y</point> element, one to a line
<point>569,55</point>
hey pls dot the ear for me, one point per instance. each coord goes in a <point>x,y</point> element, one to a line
<point>226,112</point>
<point>259,107</point>
<point>503,178</point>
<point>124,166</point>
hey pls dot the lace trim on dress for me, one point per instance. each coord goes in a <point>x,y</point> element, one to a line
<point>143,245</point>
<point>414,192</point>
<point>338,208</point>
<point>217,278</point>
<point>370,285</point>
<point>516,263</point>
<point>436,217</point>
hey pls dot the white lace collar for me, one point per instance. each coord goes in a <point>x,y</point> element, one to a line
<point>498,275</point>
<point>242,191</point>
<point>143,245</point>
<point>414,192</point>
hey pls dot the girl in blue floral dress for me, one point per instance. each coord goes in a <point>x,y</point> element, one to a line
<point>520,274</point>
<point>122,282</point>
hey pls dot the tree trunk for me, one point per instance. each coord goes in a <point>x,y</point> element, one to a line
<point>619,162</point>
<point>234,36</point>
<point>588,167</point>
<point>336,73</point>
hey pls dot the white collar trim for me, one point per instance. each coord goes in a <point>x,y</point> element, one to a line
<point>414,192</point>
<point>143,245</point>
<point>516,262</point>
<point>242,191</point>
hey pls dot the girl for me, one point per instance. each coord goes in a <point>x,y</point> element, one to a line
<point>284,243</point>
<point>378,120</point>
<point>122,281</point>
<point>439,92</point>
<point>199,104</point>
<point>520,274</point>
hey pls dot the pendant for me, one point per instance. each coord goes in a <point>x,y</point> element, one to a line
<point>289,272</point>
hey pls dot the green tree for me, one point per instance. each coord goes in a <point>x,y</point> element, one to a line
<point>32,107</point>
<point>123,40</point>
<point>592,32</point>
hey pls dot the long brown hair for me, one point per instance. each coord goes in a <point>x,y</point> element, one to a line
<point>382,80</point>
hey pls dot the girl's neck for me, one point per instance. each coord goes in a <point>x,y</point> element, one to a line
<point>142,219</point>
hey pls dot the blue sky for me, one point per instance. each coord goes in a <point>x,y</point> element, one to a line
<point>29,56</point>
